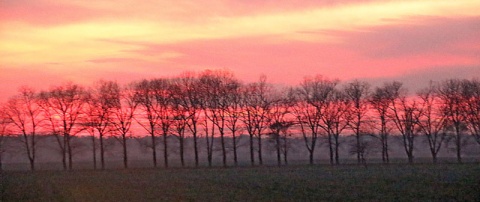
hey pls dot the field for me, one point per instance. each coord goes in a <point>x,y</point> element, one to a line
<point>396,182</point>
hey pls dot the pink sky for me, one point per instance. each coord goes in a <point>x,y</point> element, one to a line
<point>49,42</point>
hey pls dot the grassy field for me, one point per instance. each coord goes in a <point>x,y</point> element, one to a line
<point>399,182</point>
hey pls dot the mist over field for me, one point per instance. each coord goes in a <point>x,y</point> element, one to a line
<point>49,157</point>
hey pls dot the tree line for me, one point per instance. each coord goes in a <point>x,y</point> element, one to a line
<point>213,105</point>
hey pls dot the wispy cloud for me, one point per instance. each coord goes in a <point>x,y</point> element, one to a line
<point>288,40</point>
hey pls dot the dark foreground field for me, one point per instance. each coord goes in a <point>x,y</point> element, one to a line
<point>447,182</point>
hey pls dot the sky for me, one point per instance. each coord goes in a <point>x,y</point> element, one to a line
<point>44,43</point>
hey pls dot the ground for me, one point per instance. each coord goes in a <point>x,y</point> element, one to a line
<point>395,182</point>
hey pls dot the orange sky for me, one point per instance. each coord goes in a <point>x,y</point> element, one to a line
<point>48,42</point>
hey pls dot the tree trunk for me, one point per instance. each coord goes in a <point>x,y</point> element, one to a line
<point>330,147</point>
<point>311,156</point>
<point>94,152</point>
<point>195,142</point>
<point>209,143</point>
<point>384,154</point>
<point>385,157</point>
<point>252,157</point>
<point>285,150</point>
<point>260,160</point>
<point>357,136</point>
<point>32,164</point>
<point>125,156</point>
<point>410,158</point>
<point>29,151</point>
<point>165,149</point>
<point>224,151</point>
<point>235,159</point>
<point>182,158</point>
<point>154,149</point>
<point>279,157</point>
<point>384,139</point>
<point>102,152</point>
<point>386,150</point>
<point>434,157</point>
<point>70,154</point>
<point>458,143</point>
<point>337,144</point>
<point>64,152</point>
<point>64,159</point>
<point>32,160</point>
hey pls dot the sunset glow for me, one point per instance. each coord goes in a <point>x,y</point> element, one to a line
<point>46,42</point>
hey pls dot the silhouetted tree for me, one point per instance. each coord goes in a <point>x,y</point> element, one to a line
<point>256,105</point>
<point>211,105</point>
<point>335,119</point>
<point>188,97</point>
<point>432,120</point>
<point>4,132</point>
<point>178,126</point>
<point>310,101</point>
<point>62,107</point>
<point>101,101</point>
<point>405,115</point>
<point>164,99</point>
<point>215,88</point>
<point>24,114</point>
<point>126,101</point>
<point>472,101</point>
<point>233,114</point>
<point>209,129</point>
<point>452,104</point>
<point>380,101</point>
<point>149,119</point>
<point>358,92</point>
<point>279,125</point>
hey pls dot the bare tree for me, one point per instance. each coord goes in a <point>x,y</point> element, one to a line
<point>164,99</point>
<point>212,96</point>
<point>452,104</point>
<point>233,114</point>
<point>101,101</point>
<point>209,129</point>
<point>256,104</point>
<point>310,101</point>
<point>380,101</point>
<point>122,115</point>
<point>216,89</point>
<point>156,97</point>
<point>335,119</point>
<point>178,126</point>
<point>358,92</point>
<point>472,101</point>
<point>247,118</point>
<point>149,118</point>
<point>88,126</point>
<point>24,114</point>
<point>62,107</point>
<point>4,132</point>
<point>279,125</point>
<point>405,115</point>
<point>188,98</point>
<point>432,121</point>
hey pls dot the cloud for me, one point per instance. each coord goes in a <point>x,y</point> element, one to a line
<point>83,41</point>
<point>417,35</point>
<point>414,81</point>
<point>41,13</point>
<point>58,12</point>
